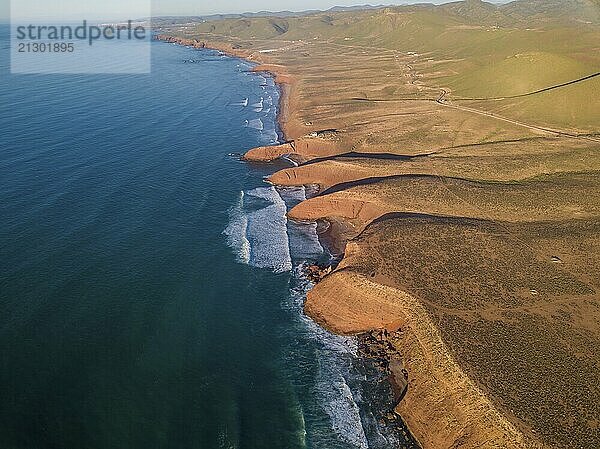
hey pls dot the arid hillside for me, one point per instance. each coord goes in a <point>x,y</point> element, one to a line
<point>457,150</point>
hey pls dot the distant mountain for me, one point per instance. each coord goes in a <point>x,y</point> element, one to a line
<point>165,20</point>
<point>355,8</point>
<point>518,13</point>
<point>474,11</point>
<point>581,10</point>
<point>524,12</point>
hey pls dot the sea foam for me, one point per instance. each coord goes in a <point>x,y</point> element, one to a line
<point>267,232</point>
<point>257,230</point>
<point>255,124</point>
<point>334,374</point>
<point>236,231</point>
<point>303,239</point>
<point>258,107</point>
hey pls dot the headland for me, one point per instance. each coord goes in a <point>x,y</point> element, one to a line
<point>460,176</point>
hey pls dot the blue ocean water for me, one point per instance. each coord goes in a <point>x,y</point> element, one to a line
<point>150,290</point>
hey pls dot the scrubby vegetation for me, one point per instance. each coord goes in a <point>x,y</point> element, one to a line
<point>466,161</point>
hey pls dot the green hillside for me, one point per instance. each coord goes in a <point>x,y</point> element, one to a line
<point>482,50</point>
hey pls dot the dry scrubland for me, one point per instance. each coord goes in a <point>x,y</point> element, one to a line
<point>467,170</point>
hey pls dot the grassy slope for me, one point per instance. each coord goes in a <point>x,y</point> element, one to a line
<point>532,347</point>
<point>485,51</point>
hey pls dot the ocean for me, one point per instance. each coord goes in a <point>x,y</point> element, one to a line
<point>151,286</point>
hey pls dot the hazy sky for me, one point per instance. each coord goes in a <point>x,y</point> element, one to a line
<point>124,9</point>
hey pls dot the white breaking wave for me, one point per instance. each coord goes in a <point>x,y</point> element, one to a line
<point>292,195</point>
<point>258,107</point>
<point>337,399</point>
<point>334,357</point>
<point>269,137</point>
<point>255,124</point>
<point>267,232</point>
<point>342,409</point>
<point>244,103</point>
<point>303,238</point>
<point>262,237</point>
<point>236,231</point>
<point>257,230</point>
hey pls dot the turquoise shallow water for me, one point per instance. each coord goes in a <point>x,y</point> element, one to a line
<point>150,295</point>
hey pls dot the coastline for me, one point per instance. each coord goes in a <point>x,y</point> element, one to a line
<point>411,352</point>
<point>373,345</point>
<point>282,79</point>
<point>413,242</point>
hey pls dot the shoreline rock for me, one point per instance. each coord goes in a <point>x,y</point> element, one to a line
<point>316,273</point>
<point>323,302</point>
